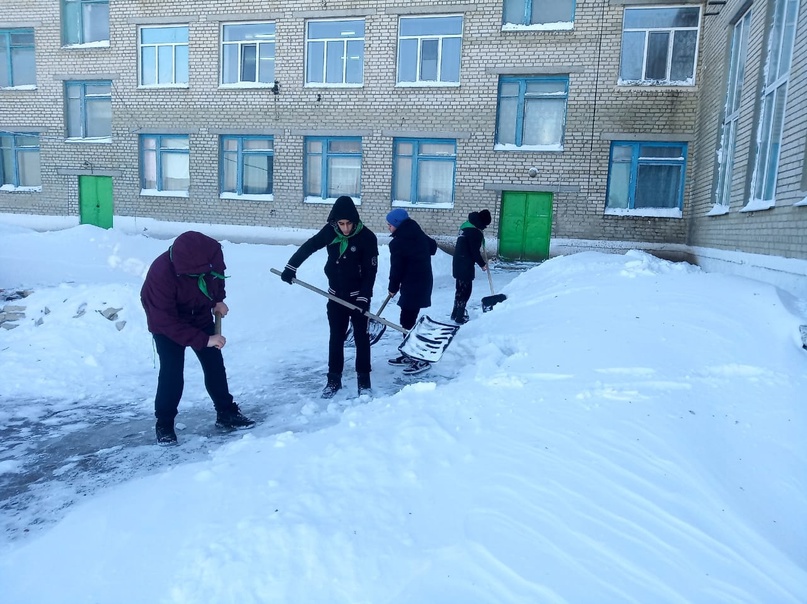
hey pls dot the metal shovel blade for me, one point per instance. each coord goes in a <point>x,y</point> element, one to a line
<point>428,339</point>
<point>488,302</point>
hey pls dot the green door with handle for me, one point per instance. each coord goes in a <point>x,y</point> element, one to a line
<point>95,200</point>
<point>526,225</point>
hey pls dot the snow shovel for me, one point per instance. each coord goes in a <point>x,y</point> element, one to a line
<point>426,341</point>
<point>374,329</point>
<point>488,302</point>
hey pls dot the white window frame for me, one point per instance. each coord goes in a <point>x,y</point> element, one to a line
<point>264,46</point>
<point>342,44</point>
<point>85,15</point>
<point>649,31</point>
<point>774,104</point>
<point>164,52</point>
<point>420,39</point>
<point>731,118</point>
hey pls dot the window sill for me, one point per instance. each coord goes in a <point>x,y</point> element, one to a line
<point>802,203</point>
<point>645,212</point>
<point>758,205</point>
<point>247,86</point>
<point>399,203</point>
<point>539,27</point>
<point>329,200</point>
<point>427,85</point>
<point>236,197</point>
<point>21,189</point>
<point>509,147</point>
<point>632,87</point>
<point>185,86</point>
<point>21,87</point>
<point>89,140</point>
<point>323,85</point>
<point>158,193</point>
<point>84,45</point>
<point>718,210</point>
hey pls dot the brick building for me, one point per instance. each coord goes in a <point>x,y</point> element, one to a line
<point>580,123</point>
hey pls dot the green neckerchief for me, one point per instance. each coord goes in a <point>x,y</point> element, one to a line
<point>342,239</point>
<point>468,225</point>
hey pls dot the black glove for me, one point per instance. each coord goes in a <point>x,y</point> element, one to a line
<point>289,274</point>
<point>363,304</point>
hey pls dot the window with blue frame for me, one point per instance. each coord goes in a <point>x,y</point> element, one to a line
<point>165,163</point>
<point>247,165</point>
<point>17,58</point>
<point>332,167</point>
<point>85,21</point>
<point>164,55</point>
<point>19,161</point>
<point>646,176</point>
<point>429,49</point>
<point>424,171</point>
<point>537,12</point>
<point>248,53</point>
<point>334,52</point>
<point>531,112</point>
<point>88,107</point>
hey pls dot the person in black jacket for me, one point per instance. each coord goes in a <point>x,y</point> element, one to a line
<point>466,255</point>
<point>351,269</point>
<point>410,273</point>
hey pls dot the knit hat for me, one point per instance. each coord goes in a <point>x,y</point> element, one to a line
<point>397,216</point>
<point>484,217</point>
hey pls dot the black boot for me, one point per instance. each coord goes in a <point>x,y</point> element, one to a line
<point>363,380</point>
<point>233,419</point>
<point>333,386</point>
<point>165,434</point>
<point>459,314</point>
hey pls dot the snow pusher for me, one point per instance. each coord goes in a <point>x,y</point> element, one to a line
<point>426,341</point>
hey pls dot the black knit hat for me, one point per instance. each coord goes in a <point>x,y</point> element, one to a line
<point>484,217</point>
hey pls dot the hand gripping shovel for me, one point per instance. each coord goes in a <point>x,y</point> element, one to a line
<point>488,302</point>
<point>426,341</point>
<point>374,329</point>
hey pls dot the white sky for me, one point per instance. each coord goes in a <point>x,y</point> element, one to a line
<point>621,429</point>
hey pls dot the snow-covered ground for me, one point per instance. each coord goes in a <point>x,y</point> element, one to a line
<point>621,429</point>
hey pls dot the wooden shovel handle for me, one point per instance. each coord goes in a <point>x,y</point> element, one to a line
<point>217,328</point>
<point>487,269</point>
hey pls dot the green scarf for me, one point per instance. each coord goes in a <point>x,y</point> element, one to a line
<point>468,225</point>
<point>203,283</point>
<point>342,239</point>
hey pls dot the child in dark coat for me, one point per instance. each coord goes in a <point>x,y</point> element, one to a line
<point>467,254</point>
<point>410,273</point>
<point>183,288</point>
<point>351,270</point>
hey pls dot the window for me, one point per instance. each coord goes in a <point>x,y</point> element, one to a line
<point>538,12</point>
<point>332,168</point>
<point>165,163</point>
<point>17,64</point>
<point>739,47</point>
<point>334,52</point>
<point>19,161</point>
<point>774,92</point>
<point>248,53</point>
<point>164,55</point>
<point>429,50</point>
<point>423,171</point>
<point>659,45</point>
<point>645,178</point>
<point>85,21</point>
<point>247,164</point>
<point>89,109</point>
<point>531,112</point>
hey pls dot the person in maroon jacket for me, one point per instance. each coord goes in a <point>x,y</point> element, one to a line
<point>183,289</point>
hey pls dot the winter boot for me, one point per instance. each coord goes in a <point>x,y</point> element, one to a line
<point>363,380</point>
<point>166,436</point>
<point>333,386</point>
<point>233,419</point>
<point>459,315</point>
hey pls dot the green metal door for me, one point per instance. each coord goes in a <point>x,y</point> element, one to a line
<point>95,200</point>
<point>526,225</point>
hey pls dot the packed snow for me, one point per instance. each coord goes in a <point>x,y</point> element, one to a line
<point>620,429</point>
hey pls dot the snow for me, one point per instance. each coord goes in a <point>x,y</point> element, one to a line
<point>620,429</point>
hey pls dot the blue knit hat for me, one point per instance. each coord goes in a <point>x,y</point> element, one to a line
<point>397,216</point>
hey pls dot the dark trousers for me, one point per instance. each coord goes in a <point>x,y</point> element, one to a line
<point>171,380</point>
<point>462,293</point>
<point>409,317</point>
<point>338,319</point>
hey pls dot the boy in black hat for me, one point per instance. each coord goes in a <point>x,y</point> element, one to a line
<point>466,255</point>
<point>351,269</point>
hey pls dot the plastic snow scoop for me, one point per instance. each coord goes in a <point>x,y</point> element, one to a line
<point>426,341</point>
<point>374,329</point>
<point>488,302</point>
